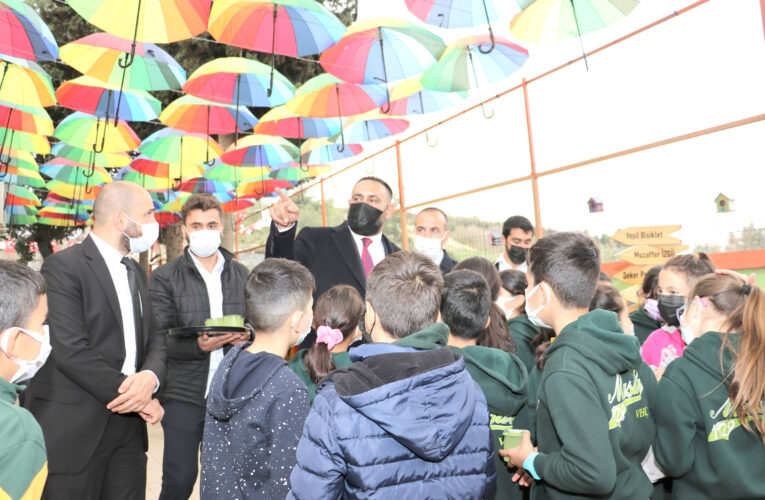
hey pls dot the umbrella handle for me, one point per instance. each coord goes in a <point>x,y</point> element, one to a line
<point>130,57</point>
<point>434,143</point>
<point>90,172</point>
<point>341,147</point>
<point>95,144</point>
<point>477,86</point>
<point>273,54</point>
<point>491,33</point>
<point>88,188</point>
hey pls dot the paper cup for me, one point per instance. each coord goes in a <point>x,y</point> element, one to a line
<point>511,438</point>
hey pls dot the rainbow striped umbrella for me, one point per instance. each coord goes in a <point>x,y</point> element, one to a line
<point>25,82</point>
<point>360,56</point>
<point>373,126</point>
<point>20,196</point>
<point>260,151</point>
<point>280,121</point>
<point>25,118</point>
<point>64,170</point>
<point>78,155</point>
<point>191,114</point>
<point>231,173</point>
<point>174,146</point>
<point>24,141</point>
<point>295,28</point>
<point>296,172</point>
<point>455,14</point>
<point>320,150</point>
<point>23,34</point>
<point>149,183</point>
<point>87,131</point>
<point>410,98</point>
<point>203,185</point>
<point>165,170</point>
<point>262,187</point>
<point>105,100</point>
<point>21,176</point>
<point>81,190</point>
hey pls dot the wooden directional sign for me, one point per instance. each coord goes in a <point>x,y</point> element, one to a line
<point>648,235</point>
<point>631,294</point>
<point>650,255</point>
<point>633,275</point>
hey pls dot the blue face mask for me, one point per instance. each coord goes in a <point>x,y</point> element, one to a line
<point>532,315</point>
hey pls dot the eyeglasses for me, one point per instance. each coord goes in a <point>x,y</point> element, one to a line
<point>681,310</point>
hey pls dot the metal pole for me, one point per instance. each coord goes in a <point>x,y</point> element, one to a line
<point>402,203</point>
<point>532,159</point>
<point>323,206</point>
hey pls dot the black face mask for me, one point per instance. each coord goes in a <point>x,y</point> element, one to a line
<point>516,254</point>
<point>364,219</point>
<point>668,306</point>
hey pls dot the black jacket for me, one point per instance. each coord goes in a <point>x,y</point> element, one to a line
<point>328,252</point>
<point>68,396</point>
<point>447,263</point>
<point>179,298</point>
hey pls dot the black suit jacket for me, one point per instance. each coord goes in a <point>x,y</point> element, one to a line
<point>330,253</point>
<point>447,264</point>
<point>69,394</point>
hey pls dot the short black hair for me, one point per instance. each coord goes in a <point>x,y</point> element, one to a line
<point>436,209</point>
<point>650,280</point>
<point>405,292</point>
<point>514,281</point>
<point>20,290</point>
<point>518,221</point>
<point>570,264</point>
<point>379,181</point>
<point>465,303</point>
<point>275,289</point>
<point>485,269</point>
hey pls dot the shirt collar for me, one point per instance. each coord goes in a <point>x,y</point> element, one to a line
<point>111,255</point>
<point>375,238</point>
<point>218,263</point>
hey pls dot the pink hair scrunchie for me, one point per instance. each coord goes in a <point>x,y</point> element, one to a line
<point>329,336</point>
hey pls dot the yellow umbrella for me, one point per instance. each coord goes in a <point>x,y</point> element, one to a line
<point>27,85</point>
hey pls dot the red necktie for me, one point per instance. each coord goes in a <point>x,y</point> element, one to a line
<point>366,257</point>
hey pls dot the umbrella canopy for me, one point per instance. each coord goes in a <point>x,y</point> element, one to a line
<point>176,202</point>
<point>90,132</point>
<point>295,28</point>
<point>61,169</point>
<point>78,155</point>
<point>203,185</point>
<point>260,151</point>
<point>157,21</point>
<point>82,190</point>
<point>231,173</point>
<point>280,121</point>
<point>26,83</point>
<point>174,146</point>
<point>20,196</point>
<point>25,118</point>
<point>323,150</point>
<point>105,100</point>
<point>191,114</point>
<point>410,98</point>
<point>236,205</point>
<point>453,13</point>
<point>23,34</point>
<point>261,187</point>
<point>165,170</point>
<point>26,141</point>
<point>373,126</point>
<point>148,182</point>
<point>239,81</point>
<point>381,51</point>
<point>98,55</point>
<point>296,172</point>
<point>21,176</point>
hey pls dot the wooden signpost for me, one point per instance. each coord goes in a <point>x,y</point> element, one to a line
<point>645,255</point>
<point>649,235</point>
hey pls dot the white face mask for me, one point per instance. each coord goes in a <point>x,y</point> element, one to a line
<point>509,311</point>
<point>205,242</point>
<point>429,247</point>
<point>687,332</point>
<point>532,315</point>
<point>28,368</point>
<point>304,334</point>
<point>150,233</point>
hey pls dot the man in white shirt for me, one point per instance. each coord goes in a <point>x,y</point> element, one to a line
<point>517,235</point>
<point>205,282</point>
<point>94,394</point>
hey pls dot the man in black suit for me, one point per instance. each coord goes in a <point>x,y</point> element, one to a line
<point>431,232</point>
<point>337,255</point>
<point>93,396</point>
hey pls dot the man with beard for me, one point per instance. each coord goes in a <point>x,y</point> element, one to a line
<point>341,255</point>
<point>517,234</point>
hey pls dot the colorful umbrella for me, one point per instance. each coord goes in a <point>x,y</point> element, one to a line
<point>78,155</point>
<point>54,199</point>
<point>64,170</point>
<point>191,114</point>
<point>410,98</point>
<point>23,34</point>
<point>174,146</point>
<point>463,66</point>
<point>98,55</point>
<point>148,182</point>
<point>295,28</point>
<point>82,190</point>
<point>12,218</point>
<point>21,176</point>
<point>280,121</point>
<point>105,100</point>
<point>373,126</point>
<point>326,96</point>
<point>90,132</point>
<point>236,205</point>
<point>359,57</point>
<point>296,172</point>
<point>25,118</point>
<point>176,202</point>
<point>20,196</point>
<point>202,185</point>
<point>231,173</point>
<point>455,14</point>
<point>63,221</point>
<point>23,140</point>
<point>553,20</point>
<point>26,83</point>
<point>320,150</point>
<point>260,151</point>
<point>259,188</point>
<point>165,170</point>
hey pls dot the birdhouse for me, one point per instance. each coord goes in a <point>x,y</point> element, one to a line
<point>495,239</point>
<point>724,204</point>
<point>595,204</point>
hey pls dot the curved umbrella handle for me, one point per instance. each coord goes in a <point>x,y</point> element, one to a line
<point>131,57</point>
<point>491,33</point>
<point>435,143</point>
<point>341,147</point>
<point>483,110</point>
<point>88,189</point>
<point>90,172</point>
<point>96,149</point>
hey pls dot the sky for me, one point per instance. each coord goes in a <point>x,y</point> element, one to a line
<point>701,69</point>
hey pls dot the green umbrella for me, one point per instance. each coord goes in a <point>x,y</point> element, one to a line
<point>88,157</point>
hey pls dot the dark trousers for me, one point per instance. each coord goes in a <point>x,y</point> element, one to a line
<point>117,470</point>
<point>183,425</point>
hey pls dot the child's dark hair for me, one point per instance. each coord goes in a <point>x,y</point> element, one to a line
<point>540,343</point>
<point>650,280</point>
<point>465,303</point>
<point>570,264</point>
<point>340,307</point>
<point>513,281</point>
<point>608,298</point>
<point>692,267</point>
<point>496,335</point>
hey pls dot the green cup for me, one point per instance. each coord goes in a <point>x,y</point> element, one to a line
<point>511,438</point>
<point>233,320</point>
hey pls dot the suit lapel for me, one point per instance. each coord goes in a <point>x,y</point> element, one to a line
<point>98,266</point>
<point>349,252</point>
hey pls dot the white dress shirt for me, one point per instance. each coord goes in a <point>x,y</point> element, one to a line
<point>215,296</point>
<point>376,248</point>
<point>502,265</point>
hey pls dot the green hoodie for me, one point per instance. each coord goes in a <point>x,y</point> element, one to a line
<point>594,425</point>
<point>23,460</point>
<point>644,324</point>
<point>502,378</point>
<point>433,337</point>
<point>523,332</point>
<point>699,439</point>
<point>297,365</point>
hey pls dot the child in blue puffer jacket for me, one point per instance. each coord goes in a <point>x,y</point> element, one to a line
<point>405,420</point>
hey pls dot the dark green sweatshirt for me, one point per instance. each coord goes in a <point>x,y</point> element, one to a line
<point>297,365</point>
<point>644,324</point>
<point>433,337</point>
<point>700,441</point>
<point>523,332</point>
<point>502,378</point>
<point>594,425</point>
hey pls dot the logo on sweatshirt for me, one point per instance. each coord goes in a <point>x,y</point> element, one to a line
<point>722,429</point>
<point>501,422</point>
<point>625,394</point>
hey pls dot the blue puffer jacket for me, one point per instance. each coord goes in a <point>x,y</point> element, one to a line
<point>401,423</point>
